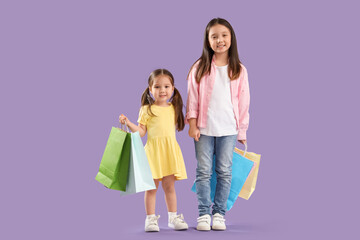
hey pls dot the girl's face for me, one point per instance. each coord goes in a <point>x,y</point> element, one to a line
<point>219,39</point>
<point>162,89</point>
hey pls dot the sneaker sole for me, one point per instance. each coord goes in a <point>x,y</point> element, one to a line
<point>203,228</point>
<point>218,229</point>
<point>170,225</point>
<point>152,230</point>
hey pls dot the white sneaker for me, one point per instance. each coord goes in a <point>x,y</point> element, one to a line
<point>177,222</point>
<point>218,222</point>
<point>151,223</point>
<point>204,223</point>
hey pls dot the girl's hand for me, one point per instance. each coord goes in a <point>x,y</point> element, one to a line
<point>133,128</point>
<point>242,141</point>
<point>123,119</point>
<point>194,132</point>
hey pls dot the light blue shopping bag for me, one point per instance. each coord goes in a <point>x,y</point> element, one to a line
<point>241,168</point>
<point>140,178</point>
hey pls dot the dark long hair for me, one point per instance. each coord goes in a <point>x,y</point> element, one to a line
<point>175,99</point>
<point>204,66</point>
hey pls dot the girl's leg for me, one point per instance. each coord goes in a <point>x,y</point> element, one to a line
<point>150,199</point>
<point>175,221</point>
<point>204,149</point>
<point>168,184</point>
<point>224,148</point>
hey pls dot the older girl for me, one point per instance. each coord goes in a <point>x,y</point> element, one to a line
<point>218,115</point>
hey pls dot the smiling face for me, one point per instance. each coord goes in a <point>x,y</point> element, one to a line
<point>161,89</point>
<point>219,39</point>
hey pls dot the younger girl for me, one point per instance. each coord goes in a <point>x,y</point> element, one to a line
<point>159,117</point>
<point>217,112</point>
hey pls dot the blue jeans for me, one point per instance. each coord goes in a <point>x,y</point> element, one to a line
<point>205,149</point>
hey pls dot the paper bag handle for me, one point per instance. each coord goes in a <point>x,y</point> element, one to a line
<point>121,126</point>
<point>245,151</point>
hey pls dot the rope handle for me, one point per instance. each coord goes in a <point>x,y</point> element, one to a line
<point>121,126</point>
<point>245,151</point>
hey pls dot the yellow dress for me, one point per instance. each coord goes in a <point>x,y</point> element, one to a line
<point>162,150</point>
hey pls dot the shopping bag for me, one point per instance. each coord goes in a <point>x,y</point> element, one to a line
<point>114,166</point>
<point>241,168</point>
<point>250,183</point>
<point>140,178</point>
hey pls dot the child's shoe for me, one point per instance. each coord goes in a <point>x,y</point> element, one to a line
<point>177,222</point>
<point>218,222</point>
<point>204,223</point>
<point>151,223</point>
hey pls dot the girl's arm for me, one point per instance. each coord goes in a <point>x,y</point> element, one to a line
<point>192,103</point>
<point>133,128</point>
<point>243,107</point>
<point>194,131</point>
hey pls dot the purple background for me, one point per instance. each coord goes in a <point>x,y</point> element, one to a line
<point>69,68</point>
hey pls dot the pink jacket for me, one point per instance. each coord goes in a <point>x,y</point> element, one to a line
<point>199,95</point>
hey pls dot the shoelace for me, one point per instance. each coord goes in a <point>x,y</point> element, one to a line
<point>153,220</point>
<point>178,218</point>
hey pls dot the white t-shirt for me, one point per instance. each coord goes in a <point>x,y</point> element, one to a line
<point>220,115</point>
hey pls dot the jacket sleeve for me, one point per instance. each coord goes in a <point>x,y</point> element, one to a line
<point>192,103</point>
<point>244,102</point>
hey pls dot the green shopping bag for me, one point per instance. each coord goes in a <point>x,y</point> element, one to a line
<point>114,166</point>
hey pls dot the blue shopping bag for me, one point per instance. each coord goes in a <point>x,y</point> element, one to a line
<point>140,178</point>
<point>241,168</point>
